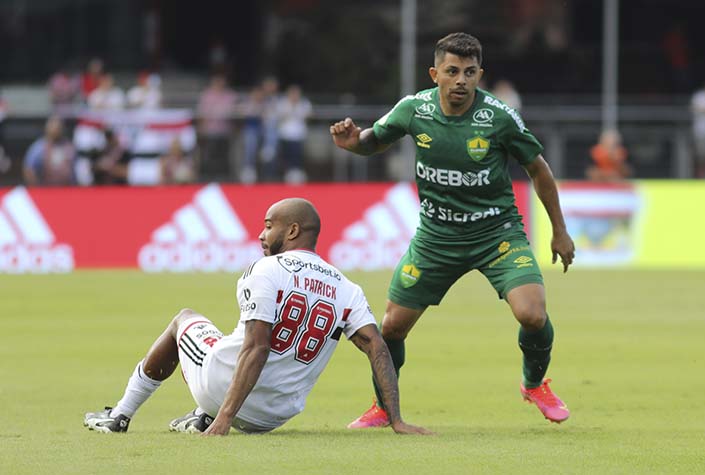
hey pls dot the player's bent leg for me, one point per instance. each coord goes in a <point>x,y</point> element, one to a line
<point>396,325</point>
<point>163,357</point>
<point>528,304</point>
<point>159,363</point>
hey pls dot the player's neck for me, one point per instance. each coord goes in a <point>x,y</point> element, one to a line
<point>449,110</point>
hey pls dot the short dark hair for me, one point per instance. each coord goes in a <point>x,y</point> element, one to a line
<point>459,44</point>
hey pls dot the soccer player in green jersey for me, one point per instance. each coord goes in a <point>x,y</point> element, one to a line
<point>464,139</point>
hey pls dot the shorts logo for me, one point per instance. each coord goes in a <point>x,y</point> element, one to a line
<point>503,247</point>
<point>483,115</point>
<point>523,261</point>
<point>423,141</point>
<point>477,147</point>
<point>426,108</point>
<point>409,275</point>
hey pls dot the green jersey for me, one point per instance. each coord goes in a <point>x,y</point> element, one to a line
<point>462,162</point>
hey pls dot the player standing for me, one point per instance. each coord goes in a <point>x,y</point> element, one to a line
<point>464,139</point>
<point>293,308</point>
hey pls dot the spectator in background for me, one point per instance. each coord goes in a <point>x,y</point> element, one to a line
<point>270,132</point>
<point>697,107</point>
<point>504,91</point>
<point>677,50</point>
<point>292,112</point>
<point>50,159</point>
<point>107,96</point>
<point>216,107</point>
<point>544,20</point>
<point>63,88</point>
<point>176,166</point>
<point>252,134</point>
<point>609,157</point>
<point>147,93</point>
<point>91,77</point>
<point>110,166</point>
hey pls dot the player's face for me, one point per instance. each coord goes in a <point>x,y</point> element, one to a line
<point>272,236</point>
<point>457,77</point>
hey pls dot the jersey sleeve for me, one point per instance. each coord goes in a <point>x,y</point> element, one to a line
<point>360,314</point>
<point>257,292</point>
<point>522,144</point>
<point>394,124</point>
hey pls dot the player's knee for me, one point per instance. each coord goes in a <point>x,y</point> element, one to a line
<point>531,316</point>
<point>390,331</point>
<point>184,314</point>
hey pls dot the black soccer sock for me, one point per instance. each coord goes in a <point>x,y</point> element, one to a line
<point>536,347</point>
<point>398,352</point>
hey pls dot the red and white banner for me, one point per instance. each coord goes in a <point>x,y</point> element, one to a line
<point>203,228</point>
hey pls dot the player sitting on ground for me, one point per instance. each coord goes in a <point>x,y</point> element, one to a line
<point>293,308</point>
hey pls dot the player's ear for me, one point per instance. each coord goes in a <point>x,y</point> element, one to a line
<point>294,231</point>
<point>433,72</point>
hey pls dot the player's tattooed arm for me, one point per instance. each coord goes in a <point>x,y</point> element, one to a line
<point>369,341</point>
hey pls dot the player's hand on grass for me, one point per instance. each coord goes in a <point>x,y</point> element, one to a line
<point>219,426</point>
<point>345,134</point>
<point>562,245</point>
<point>404,428</point>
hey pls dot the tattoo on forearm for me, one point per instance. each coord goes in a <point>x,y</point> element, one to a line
<point>383,370</point>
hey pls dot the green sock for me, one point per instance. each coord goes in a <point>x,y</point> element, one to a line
<point>536,347</point>
<point>396,349</point>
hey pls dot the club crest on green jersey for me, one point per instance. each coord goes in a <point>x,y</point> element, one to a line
<point>409,275</point>
<point>477,147</point>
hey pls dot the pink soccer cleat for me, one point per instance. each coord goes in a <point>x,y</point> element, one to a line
<point>373,417</point>
<point>548,403</point>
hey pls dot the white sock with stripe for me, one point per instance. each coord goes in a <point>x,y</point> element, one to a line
<point>139,388</point>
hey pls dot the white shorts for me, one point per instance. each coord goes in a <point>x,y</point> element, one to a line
<point>195,338</point>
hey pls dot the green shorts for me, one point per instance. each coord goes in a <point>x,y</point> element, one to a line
<point>429,268</point>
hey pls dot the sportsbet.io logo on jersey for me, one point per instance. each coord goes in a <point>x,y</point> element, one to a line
<point>446,177</point>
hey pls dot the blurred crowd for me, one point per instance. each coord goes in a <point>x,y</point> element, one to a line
<point>247,135</point>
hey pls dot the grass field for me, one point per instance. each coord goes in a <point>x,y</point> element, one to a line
<point>629,359</point>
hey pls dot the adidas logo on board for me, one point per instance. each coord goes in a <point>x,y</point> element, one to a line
<point>381,237</point>
<point>27,244</point>
<point>205,235</point>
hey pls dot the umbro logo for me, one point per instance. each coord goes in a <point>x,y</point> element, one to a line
<point>381,236</point>
<point>27,243</point>
<point>424,140</point>
<point>203,235</point>
<point>523,261</point>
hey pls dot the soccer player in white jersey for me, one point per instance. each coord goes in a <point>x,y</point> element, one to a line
<point>293,308</point>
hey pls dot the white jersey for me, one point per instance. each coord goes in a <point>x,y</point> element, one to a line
<point>309,303</point>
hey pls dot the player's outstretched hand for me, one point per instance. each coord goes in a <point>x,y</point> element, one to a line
<point>562,245</point>
<point>404,428</point>
<point>345,134</point>
<point>219,426</point>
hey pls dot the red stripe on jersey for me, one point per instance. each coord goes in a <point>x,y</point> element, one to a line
<point>280,296</point>
<point>346,314</point>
